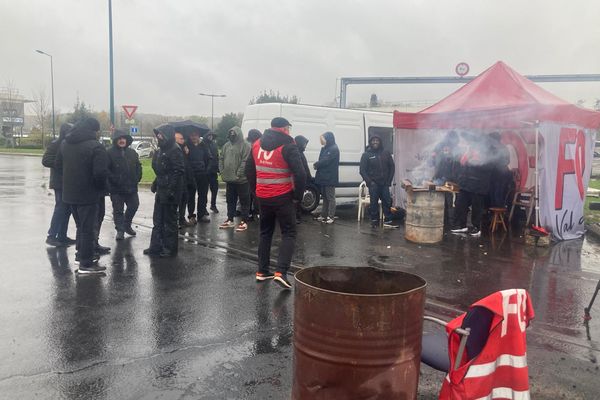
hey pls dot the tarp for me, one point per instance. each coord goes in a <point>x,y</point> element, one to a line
<point>500,100</point>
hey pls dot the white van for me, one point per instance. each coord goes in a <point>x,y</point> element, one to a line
<point>351,128</point>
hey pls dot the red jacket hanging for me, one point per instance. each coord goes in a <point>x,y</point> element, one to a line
<point>500,370</point>
<point>273,175</point>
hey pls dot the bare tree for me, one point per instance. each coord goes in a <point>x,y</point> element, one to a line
<point>40,110</point>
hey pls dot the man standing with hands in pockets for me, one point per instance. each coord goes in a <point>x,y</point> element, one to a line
<point>275,169</point>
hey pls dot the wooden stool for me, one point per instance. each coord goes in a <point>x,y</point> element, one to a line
<point>498,218</point>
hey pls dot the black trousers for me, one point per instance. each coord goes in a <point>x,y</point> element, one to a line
<point>202,189</point>
<point>165,229</point>
<point>122,216</point>
<point>464,200</point>
<point>60,218</point>
<point>213,184</point>
<point>100,217</point>
<point>283,210</point>
<point>86,219</point>
<point>183,204</point>
<point>234,192</point>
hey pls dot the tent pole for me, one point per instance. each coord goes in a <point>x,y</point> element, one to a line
<point>537,180</point>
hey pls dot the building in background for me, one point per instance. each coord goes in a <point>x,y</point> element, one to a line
<point>12,114</point>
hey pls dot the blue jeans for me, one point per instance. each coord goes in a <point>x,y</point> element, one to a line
<point>60,218</point>
<point>377,193</point>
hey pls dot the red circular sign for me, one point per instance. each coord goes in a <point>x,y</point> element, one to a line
<point>462,69</point>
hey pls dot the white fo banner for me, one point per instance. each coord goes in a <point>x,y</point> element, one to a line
<point>565,167</point>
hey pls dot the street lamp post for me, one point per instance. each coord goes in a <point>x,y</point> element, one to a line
<point>212,107</point>
<point>52,88</point>
<point>110,51</point>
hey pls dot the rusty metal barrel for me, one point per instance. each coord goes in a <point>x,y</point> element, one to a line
<point>357,333</point>
<point>424,216</point>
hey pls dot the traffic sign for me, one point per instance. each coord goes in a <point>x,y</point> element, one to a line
<point>133,130</point>
<point>462,69</point>
<point>129,111</point>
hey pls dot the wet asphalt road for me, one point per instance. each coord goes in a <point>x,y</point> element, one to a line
<point>200,327</point>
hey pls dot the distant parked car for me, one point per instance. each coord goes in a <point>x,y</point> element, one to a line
<point>144,148</point>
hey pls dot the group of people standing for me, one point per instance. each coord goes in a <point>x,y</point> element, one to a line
<point>265,174</point>
<point>82,174</point>
<point>479,164</point>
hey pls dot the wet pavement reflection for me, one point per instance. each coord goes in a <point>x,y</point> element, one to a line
<point>198,326</point>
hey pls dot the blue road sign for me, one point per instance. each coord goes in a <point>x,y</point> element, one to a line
<point>133,129</point>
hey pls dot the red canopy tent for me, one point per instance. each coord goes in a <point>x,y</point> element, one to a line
<point>500,99</point>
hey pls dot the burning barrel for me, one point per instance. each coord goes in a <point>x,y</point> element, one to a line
<point>424,214</point>
<point>357,333</point>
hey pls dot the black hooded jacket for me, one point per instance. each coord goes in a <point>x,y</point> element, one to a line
<point>200,157</point>
<point>377,165</point>
<point>125,169</point>
<point>329,162</point>
<point>301,142</point>
<point>271,140</point>
<point>474,172</point>
<point>84,163</point>
<point>169,167</point>
<point>49,158</point>
<point>188,177</point>
<point>213,163</point>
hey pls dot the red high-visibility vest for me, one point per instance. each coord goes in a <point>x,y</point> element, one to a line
<point>500,370</point>
<point>273,175</point>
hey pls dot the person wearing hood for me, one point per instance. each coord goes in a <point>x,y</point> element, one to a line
<point>253,136</point>
<point>57,233</point>
<point>474,182</point>
<point>125,172</point>
<point>84,163</point>
<point>232,164</point>
<point>200,159</point>
<point>327,175</point>
<point>189,184</point>
<point>445,162</point>
<point>169,166</point>
<point>275,171</point>
<point>377,170</point>
<point>213,170</point>
<point>301,142</point>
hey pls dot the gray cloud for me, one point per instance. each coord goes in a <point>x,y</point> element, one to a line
<point>167,52</point>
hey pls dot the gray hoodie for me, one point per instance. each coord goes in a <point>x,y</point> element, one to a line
<point>232,161</point>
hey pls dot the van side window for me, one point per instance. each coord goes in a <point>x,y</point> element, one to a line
<point>386,135</point>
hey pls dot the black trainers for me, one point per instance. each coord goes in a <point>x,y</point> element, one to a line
<point>214,209</point>
<point>129,230</point>
<point>67,241</point>
<point>91,269</point>
<point>282,280</point>
<point>151,252</point>
<point>264,276</point>
<point>474,232</point>
<point>460,230</point>
<point>95,258</point>
<point>50,241</point>
<point>102,249</point>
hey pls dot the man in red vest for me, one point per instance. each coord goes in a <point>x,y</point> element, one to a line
<point>276,171</point>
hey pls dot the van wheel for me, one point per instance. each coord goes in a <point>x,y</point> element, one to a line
<point>310,200</point>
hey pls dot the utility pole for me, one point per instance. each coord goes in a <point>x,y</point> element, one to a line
<point>110,50</point>
<point>212,107</point>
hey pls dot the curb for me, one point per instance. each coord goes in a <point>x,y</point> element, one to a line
<point>8,153</point>
<point>593,230</point>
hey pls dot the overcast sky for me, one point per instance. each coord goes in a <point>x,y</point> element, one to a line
<point>166,52</point>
